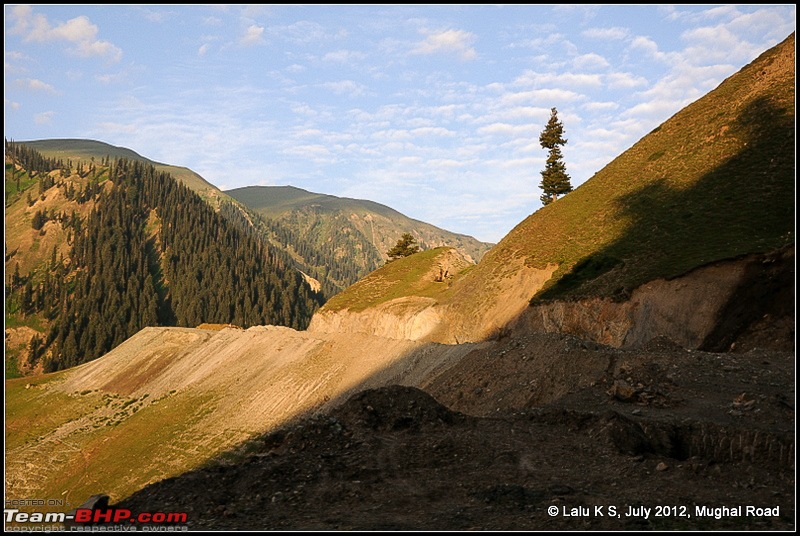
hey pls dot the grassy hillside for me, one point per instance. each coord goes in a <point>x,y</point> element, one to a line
<point>274,201</point>
<point>715,181</point>
<point>415,275</point>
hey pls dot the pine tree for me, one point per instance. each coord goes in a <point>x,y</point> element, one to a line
<point>555,180</point>
<point>407,245</point>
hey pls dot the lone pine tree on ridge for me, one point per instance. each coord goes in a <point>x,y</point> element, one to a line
<point>555,180</point>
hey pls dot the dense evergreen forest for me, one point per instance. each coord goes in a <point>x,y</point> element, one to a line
<point>317,246</point>
<point>150,253</point>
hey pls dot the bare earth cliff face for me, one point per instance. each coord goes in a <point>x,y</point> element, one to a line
<point>692,310</point>
<point>707,308</point>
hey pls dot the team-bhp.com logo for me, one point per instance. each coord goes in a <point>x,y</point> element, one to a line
<point>87,517</point>
<point>122,515</point>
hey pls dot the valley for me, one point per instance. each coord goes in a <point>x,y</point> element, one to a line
<point>627,348</point>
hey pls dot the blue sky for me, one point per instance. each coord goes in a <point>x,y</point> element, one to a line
<point>432,110</point>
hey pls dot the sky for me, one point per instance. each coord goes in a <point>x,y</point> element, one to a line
<point>433,110</point>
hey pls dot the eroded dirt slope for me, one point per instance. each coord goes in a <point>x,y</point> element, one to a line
<point>661,426</point>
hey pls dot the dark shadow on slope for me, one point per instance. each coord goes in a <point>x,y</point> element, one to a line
<point>743,206</point>
<point>761,308</point>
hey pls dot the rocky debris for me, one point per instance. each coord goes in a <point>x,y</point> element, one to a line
<point>394,408</point>
<point>623,392</point>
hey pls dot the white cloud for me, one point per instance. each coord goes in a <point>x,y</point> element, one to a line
<point>34,84</point>
<point>606,34</point>
<point>44,118</point>
<point>12,104</point>
<point>79,31</point>
<point>391,134</point>
<point>696,17</point>
<point>590,61</point>
<point>600,106</point>
<point>709,45</point>
<point>114,78</point>
<point>624,81</point>
<point>540,96</point>
<point>12,60</point>
<point>316,152</point>
<point>344,56</point>
<point>772,23</point>
<point>308,133</point>
<point>203,49</point>
<point>506,129</point>
<point>154,16</point>
<point>649,48</point>
<point>445,163</point>
<point>301,32</point>
<point>432,131</point>
<point>253,11</point>
<point>456,42</point>
<point>16,56</point>
<point>513,113</point>
<point>346,87</point>
<point>568,79</point>
<point>253,35</point>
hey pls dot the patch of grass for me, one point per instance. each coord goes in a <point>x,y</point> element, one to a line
<point>17,183</point>
<point>585,270</point>
<point>34,408</point>
<point>34,322</point>
<point>116,455</point>
<point>397,279</point>
<point>129,453</point>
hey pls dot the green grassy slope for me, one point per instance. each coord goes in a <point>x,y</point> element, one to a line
<point>276,200</point>
<point>715,181</point>
<point>407,276</point>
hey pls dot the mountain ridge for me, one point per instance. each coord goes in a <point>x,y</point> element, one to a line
<point>343,238</point>
<point>291,234</point>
